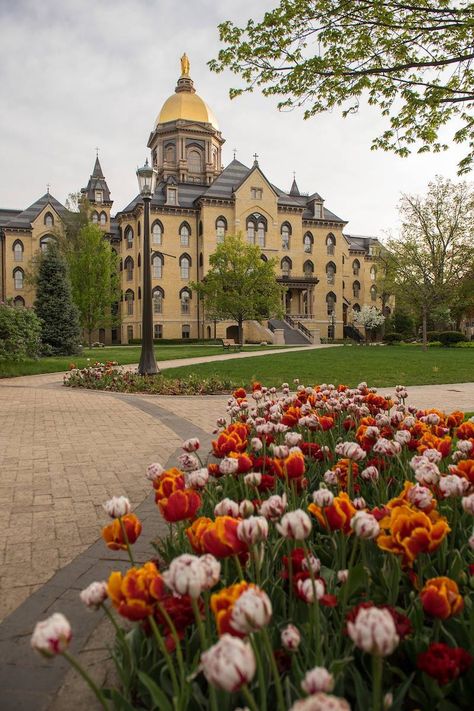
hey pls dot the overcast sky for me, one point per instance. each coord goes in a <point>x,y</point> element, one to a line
<point>79,74</point>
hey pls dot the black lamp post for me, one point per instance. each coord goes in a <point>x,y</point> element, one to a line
<point>146,183</point>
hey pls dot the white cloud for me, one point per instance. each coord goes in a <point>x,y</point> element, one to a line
<point>76,75</point>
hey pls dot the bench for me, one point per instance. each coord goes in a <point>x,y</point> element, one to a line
<point>228,343</point>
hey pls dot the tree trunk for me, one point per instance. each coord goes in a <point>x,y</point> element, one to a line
<point>90,337</point>
<point>241,332</point>
<point>424,328</point>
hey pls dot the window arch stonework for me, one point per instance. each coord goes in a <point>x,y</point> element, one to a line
<point>356,267</point>
<point>158,295</point>
<point>157,262</point>
<point>157,232</point>
<point>18,278</point>
<point>184,234</point>
<point>285,232</point>
<point>330,243</point>
<point>356,289</point>
<point>18,250</point>
<point>308,241</point>
<point>308,268</point>
<point>128,266</point>
<point>331,272</point>
<point>48,220</point>
<point>286,265</point>
<point>185,263</point>
<point>129,236</point>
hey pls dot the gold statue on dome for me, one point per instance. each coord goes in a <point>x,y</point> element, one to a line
<point>185,65</point>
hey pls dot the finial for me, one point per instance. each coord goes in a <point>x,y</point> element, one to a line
<point>185,65</point>
<point>96,151</point>
<point>235,152</point>
<point>255,155</point>
<point>294,175</point>
<point>47,188</point>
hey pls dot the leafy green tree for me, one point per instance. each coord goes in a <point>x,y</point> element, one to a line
<point>401,322</point>
<point>239,285</point>
<point>94,278</point>
<point>411,58</point>
<point>54,304</point>
<point>20,332</point>
<point>435,252</point>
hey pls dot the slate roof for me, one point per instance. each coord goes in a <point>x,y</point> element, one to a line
<point>7,215</point>
<point>97,182</point>
<point>25,218</point>
<point>360,242</point>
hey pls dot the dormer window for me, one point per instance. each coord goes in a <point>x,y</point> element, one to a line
<point>99,196</point>
<point>318,210</point>
<point>256,193</point>
<point>171,196</point>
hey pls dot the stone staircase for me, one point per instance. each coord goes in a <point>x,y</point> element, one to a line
<point>292,336</point>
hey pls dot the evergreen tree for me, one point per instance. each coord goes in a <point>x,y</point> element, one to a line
<point>54,304</point>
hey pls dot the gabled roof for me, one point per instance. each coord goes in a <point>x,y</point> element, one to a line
<point>231,177</point>
<point>25,218</point>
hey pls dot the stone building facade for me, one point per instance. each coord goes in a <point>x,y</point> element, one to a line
<point>328,273</point>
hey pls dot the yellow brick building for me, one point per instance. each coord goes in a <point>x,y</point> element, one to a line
<point>328,273</point>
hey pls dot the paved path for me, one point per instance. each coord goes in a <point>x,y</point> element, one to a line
<point>62,453</point>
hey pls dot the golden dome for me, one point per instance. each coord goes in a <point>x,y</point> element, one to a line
<point>188,106</point>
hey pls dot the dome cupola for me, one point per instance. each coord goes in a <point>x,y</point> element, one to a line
<point>186,142</point>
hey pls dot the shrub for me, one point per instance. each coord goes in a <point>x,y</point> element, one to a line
<point>447,338</point>
<point>432,336</point>
<point>20,333</point>
<point>393,337</point>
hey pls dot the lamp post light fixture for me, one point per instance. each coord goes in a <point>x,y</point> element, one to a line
<point>146,183</point>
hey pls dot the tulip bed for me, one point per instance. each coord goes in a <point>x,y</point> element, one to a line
<point>320,558</point>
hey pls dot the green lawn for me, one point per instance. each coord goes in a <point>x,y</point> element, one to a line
<point>378,366</point>
<point>123,354</point>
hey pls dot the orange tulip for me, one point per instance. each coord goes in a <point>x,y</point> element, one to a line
<point>409,532</point>
<point>195,532</point>
<point>170,481</point>
<point>113,533</point>
<point>293,467</point>
<point>465,431</point>
<point>221,539</point>
<point>182,504</point>
<point>232,439</point>
<point>134,595</point>
<point>429,441</point>
<point>440,598</point>
<point>454,419</point>
<point>465,468</point>
<point>222,605</point>
<point>338,514</point>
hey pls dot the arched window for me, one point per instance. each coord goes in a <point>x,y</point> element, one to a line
<point>356,308</point>
<point>308,267</point>
<point>185,298</point>
<point>18,278</point>
<point>356,289</point>
<point>157,266</point>
<point>330,243</point>
<point>185,330</point>
<point>95,217</point>
<point>128,264</point>
<point>129,298</point>
<point>194,161</point>
<point>184,232</point>
<point>18,302</point>
<point>221,226</point>
<point>286,265</point>
<point>331,303</point>
<point>184,263</point>
<point>373,273</point>
<point>48,220</point>
<point>331,272</point>
<point>158,296</point>
<point>44,241</point>
<point>129,237</point>
<point>308,242</point>
<point>356,267</point>
<point>18,250</point>
<point>170,154</point>
<point>103,218</point>
<point>250,232</point>
<point>285,235</point>
<point>156,232</point>
<point>373,293</point>
<point>261,234</point>
<point>264,258</point>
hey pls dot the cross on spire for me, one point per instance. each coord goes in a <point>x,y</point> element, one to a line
<point>255,155</point>
<point>96,152</point>
<point>47,188</point>
<point>235,152</point>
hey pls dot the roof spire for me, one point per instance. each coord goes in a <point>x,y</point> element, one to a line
<point>47,188</point>
<point>255,156</point>
<point>294,190</point>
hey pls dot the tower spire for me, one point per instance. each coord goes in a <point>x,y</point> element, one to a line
<point>294,190</point>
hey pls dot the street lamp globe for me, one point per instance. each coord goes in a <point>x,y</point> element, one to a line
<point>146,180</point>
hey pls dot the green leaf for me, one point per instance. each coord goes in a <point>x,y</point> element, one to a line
<point>159,699</point>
